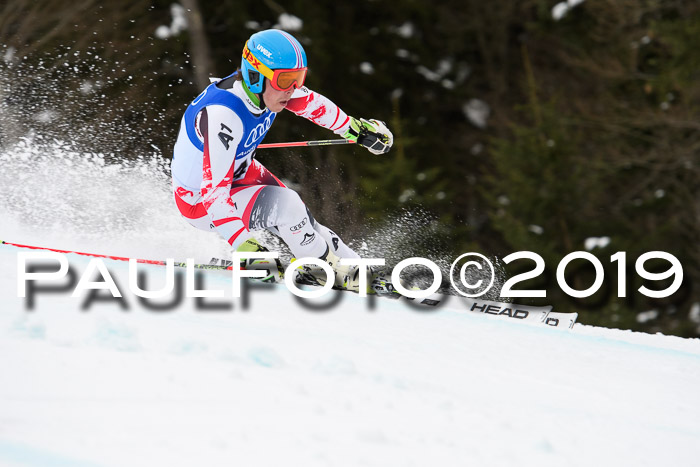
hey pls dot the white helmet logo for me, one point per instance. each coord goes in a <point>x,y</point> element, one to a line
<point>265,52</point>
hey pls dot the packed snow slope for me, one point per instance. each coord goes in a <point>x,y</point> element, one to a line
<point>274,382</point>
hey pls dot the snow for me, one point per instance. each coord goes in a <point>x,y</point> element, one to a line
<point>694,313</point>
<point>87,87</point>
<point>536,229</point>
<point>179,22</point>
<point>406,195</point>
<point>476,149</point>
<point>596,242</point>
<point>503,200</point>
<point>447,84</point>
<point>177,25</point>
<point>562,8</point>
<point>367,68</point>
<point>289,22</point>
<point>345,386</point>
<point>649,315</point>
<point>46,116</point>
<point>444,67</point>
<point>268,381</point>
<point>559,10</point>
<point>477,112</point>
<point>406,30</point>
<point>428,73</point>
<point>162,32</point>
<point>9,55</point>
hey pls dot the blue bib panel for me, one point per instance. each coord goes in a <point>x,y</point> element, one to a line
<point>255,127</point>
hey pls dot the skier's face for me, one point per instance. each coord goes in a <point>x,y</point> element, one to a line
<point>276,100</point>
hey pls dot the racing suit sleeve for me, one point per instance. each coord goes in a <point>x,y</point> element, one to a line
<point>221,130</point>
<point>318,109</point>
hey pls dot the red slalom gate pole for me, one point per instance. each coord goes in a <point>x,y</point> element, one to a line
<point>116,258</point>
<point>321,142</point>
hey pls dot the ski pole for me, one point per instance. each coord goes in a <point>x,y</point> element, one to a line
<point>322,142</point>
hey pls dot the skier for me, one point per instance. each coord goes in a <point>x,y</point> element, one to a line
<point>220,186</point>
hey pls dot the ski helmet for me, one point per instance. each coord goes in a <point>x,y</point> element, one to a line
<point>276,55</point>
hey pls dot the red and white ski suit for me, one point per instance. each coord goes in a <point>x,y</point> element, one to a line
<point>223,188</point>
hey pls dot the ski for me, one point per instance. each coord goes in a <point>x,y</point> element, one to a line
<point>382,287</point>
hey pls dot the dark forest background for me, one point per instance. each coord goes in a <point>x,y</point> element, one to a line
<point>519,125</point>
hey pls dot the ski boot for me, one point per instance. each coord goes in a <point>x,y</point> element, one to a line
<point>272,266</point>
<point>381,282</point>
<point>347,277</point>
